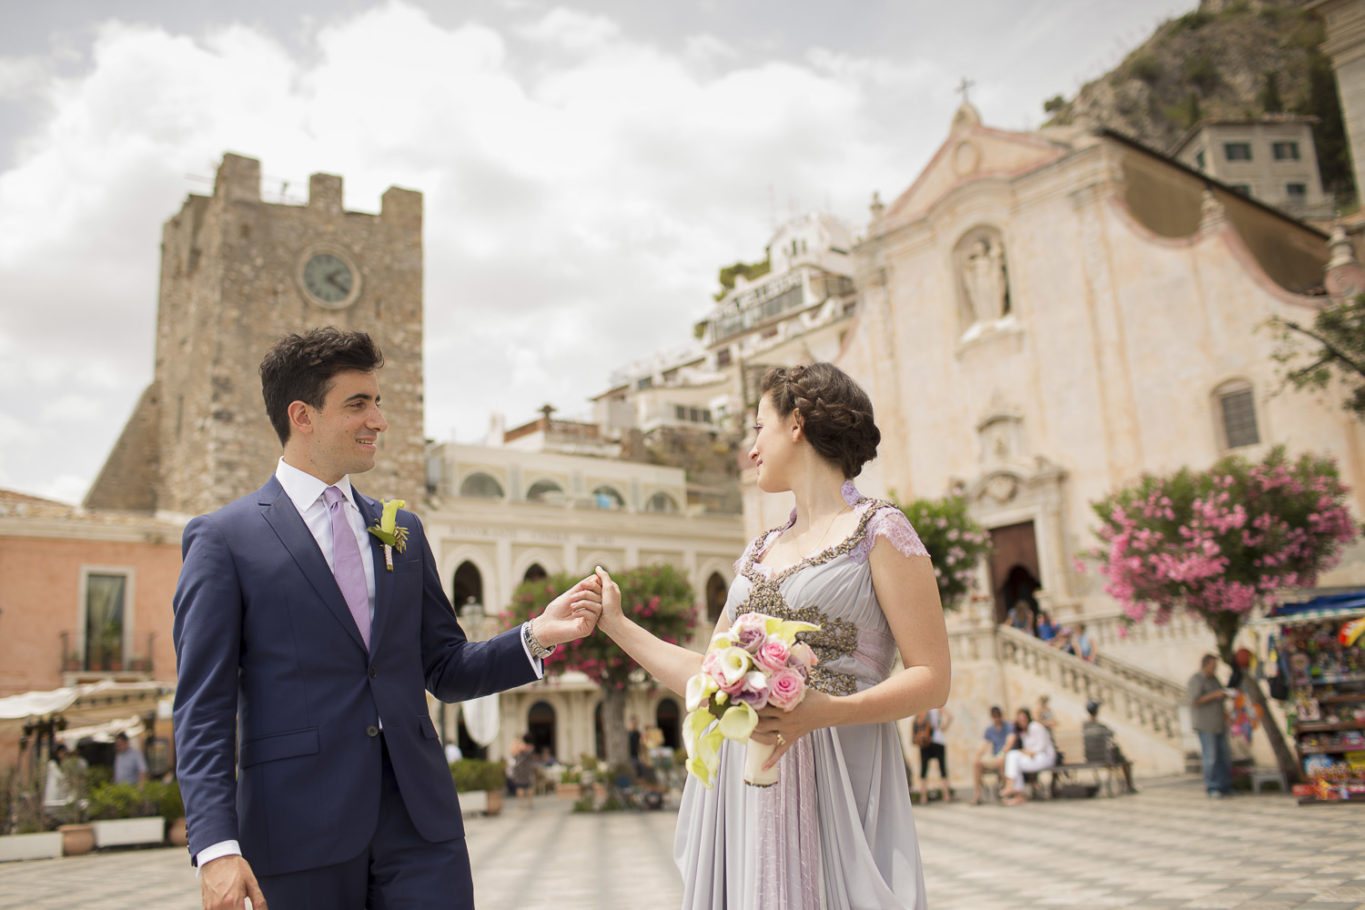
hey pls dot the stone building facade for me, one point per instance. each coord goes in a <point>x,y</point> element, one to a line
<point>1273,159</point>
<point>500,515</point>
<point>237,273</point>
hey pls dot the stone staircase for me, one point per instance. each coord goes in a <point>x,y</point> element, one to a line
<point>999,665</point>
<point>1130,694</point>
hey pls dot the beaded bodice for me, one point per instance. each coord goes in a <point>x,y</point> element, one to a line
<point>832,589</point>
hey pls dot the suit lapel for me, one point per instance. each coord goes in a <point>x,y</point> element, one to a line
<point>371,510</point>
<point>288,525</point>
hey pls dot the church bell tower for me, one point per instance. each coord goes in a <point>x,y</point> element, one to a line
<point>237,273</point>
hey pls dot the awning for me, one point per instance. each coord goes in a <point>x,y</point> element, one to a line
<point>85,705</point>
<point>103,733</point>
<point>1344,605</point>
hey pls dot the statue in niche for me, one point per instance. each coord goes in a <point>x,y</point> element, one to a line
<point>983,276</point>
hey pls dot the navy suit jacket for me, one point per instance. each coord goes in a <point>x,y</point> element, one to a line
<point>278,701</point>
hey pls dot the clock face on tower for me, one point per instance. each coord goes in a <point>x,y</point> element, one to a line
<point>329,278</point>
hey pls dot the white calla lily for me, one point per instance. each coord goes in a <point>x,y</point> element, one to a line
<point>734,663</point>
<point>738,722</point>
<point>699,688</point>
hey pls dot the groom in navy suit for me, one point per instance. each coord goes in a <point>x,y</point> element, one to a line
<point>311,772</point>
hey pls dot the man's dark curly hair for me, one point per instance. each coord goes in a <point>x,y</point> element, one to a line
<point>301,367</point>
<point>833,410</point>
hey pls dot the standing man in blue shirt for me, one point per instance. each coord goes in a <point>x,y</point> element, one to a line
<point>129,765</point>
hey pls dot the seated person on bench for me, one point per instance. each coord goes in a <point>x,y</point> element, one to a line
<point>999,739</point>
<point>1100,747</point>
<point>1035,753</point>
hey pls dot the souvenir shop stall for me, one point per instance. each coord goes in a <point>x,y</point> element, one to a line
<point>1319,651</point>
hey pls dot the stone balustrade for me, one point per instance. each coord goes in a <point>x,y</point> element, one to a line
<point>1129,693</point>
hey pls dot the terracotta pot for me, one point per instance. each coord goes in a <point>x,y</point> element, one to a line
<point>77,839</point>
<point>175,833</point>
<point>569,791</point>
<point>494,804</point>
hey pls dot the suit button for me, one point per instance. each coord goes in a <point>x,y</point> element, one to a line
<point>371,730</point>
<point>374,671</point>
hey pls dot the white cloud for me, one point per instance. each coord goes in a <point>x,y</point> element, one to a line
<point>572,30</point>
<point>582,186</point>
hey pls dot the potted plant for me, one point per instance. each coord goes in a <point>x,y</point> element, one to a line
<point>171,807</point>
<point>124,814</point>
<point>570,784</point>
<point>78,835</point>
<point>71,663</point>
<point>21,822</point>
<point>480,784</point>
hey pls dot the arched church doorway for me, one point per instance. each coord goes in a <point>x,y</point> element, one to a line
<point>668,719</point>
<point>716,592</point>
<point>1014,567</point>
<point>599,739</point>
<point>468,585</point>
<point>540,724</point>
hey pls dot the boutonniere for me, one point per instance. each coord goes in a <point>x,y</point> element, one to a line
<point>390,533</point>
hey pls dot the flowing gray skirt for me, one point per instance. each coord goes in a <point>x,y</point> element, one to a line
<point>835,832</point>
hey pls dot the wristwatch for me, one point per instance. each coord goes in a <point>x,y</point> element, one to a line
<point>538,651</point>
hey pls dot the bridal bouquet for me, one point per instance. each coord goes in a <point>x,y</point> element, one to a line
<point>757,663</point>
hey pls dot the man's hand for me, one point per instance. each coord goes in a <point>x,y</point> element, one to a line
<point>571,615</point>
<point>227,882</point>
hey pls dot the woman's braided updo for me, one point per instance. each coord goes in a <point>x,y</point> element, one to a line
<point>835,413</point>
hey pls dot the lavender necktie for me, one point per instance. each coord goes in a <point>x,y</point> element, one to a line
<point>346,564</point>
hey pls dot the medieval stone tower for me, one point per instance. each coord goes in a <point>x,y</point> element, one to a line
<point>237,273</point>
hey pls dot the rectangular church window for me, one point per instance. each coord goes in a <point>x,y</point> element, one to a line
<point>1239,419</point>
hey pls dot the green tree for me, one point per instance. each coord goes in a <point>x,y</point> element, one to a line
<point>659,598</point>
<point>1335,349</point>
<point>1269,98</point>
<point>1221,544</point>
<point>955,542</point>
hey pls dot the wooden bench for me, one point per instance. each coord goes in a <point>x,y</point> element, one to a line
<point>1072,761</point>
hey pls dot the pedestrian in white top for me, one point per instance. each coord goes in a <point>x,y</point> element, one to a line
<point>1035,753</point>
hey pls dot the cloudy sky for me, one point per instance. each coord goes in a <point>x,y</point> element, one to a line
<point>586,167</point>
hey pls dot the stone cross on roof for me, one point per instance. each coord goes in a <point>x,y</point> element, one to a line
<point>963,88</point>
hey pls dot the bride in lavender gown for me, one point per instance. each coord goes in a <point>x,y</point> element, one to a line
<point>836,831</point>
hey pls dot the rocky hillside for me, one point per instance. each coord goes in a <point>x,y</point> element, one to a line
<point>1224,60</point>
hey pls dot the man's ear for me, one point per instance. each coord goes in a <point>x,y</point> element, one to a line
<point>300,418</point>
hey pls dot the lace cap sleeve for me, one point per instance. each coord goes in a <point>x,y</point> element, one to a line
<point>890,522</point>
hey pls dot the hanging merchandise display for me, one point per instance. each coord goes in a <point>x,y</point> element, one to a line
<point>1320,652</point>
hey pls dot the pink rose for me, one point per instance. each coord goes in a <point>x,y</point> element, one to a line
<point>772,654</point>
<point>710,665</point>
<point>802,655</point>
<point>750,631</point>
<point>786,688</point>
<point>754,690</point>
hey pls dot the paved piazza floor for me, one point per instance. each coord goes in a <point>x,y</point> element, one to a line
<point>1169,846</point>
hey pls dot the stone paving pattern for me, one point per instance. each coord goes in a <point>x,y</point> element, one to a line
<point>1167,847</point>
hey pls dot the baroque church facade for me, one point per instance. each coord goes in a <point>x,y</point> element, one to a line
<point>1043,317</point>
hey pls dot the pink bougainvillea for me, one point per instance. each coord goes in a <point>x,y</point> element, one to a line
<point>1221,543</point>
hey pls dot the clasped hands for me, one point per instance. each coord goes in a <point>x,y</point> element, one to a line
<point>571,615</point>
<point>575,613</point>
